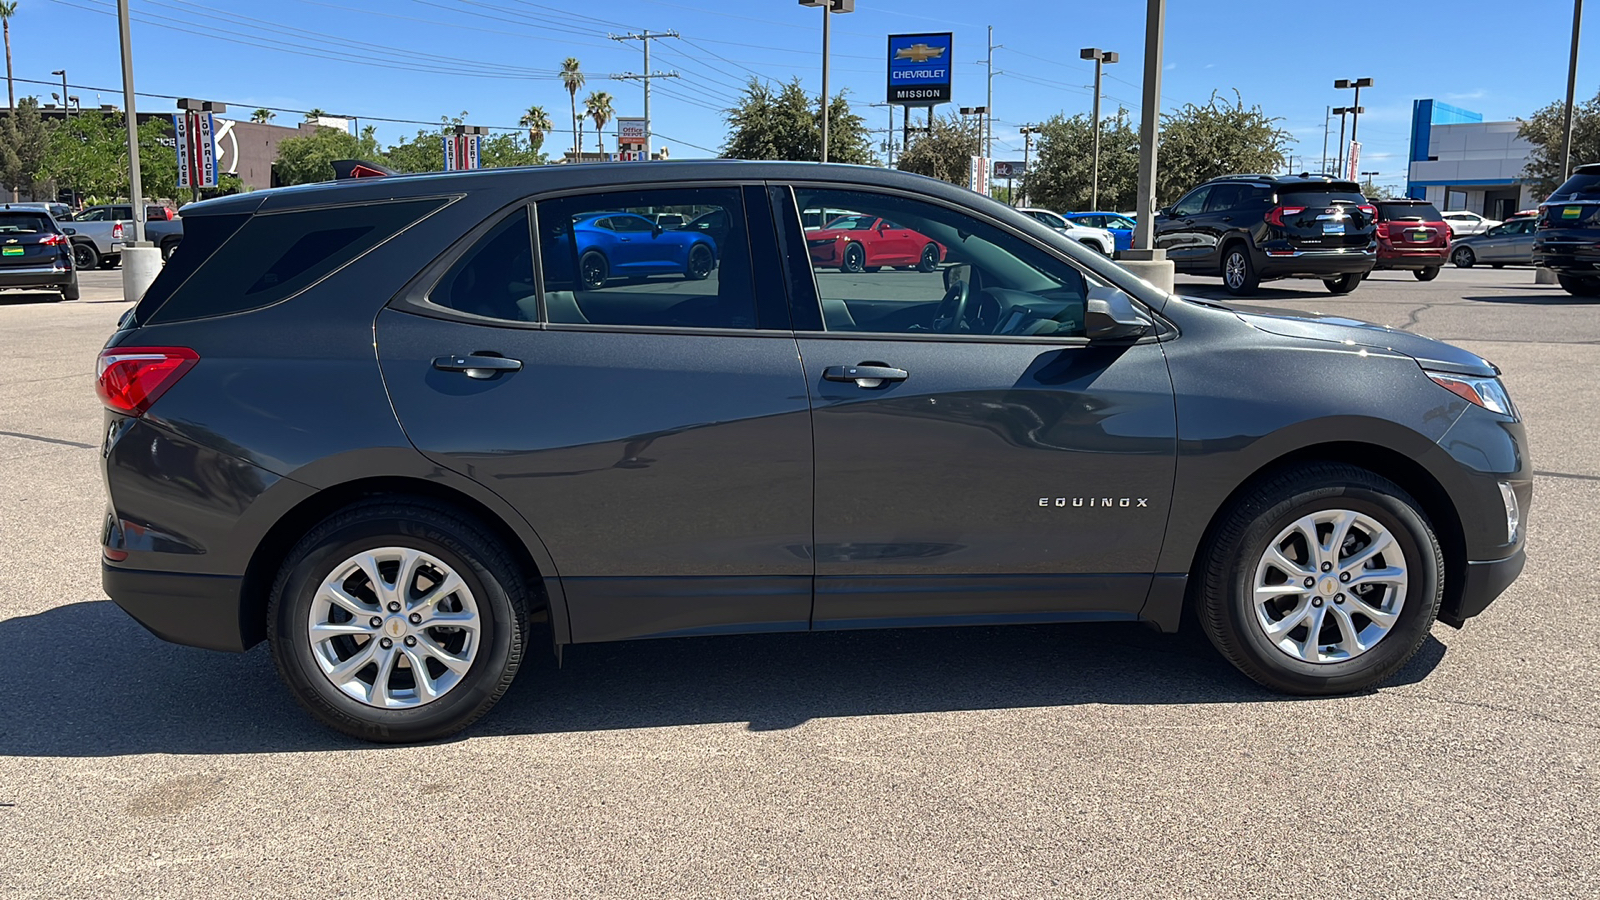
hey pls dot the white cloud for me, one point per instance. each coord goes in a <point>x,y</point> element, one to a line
<point>1478,94</point>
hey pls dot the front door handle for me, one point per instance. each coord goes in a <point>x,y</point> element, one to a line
<point>477,365</point>
<point>865,376</point>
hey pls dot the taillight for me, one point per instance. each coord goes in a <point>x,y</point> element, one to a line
<point>116,231</point>
<point>1275,216</point>
<point>131,378</point>
<point>1383,230</point>
<point>1371,211</point>
<point>50,240</point>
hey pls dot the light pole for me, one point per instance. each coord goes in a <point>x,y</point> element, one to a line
<point>1369,176</point>
<point>140,261</point>
<point>982,112</point>
<point>66,104</point>
<point>1146,259</point>
<point>828,8</point>
<point>1355,110</point>
<point>1100,57</point>
<point>1572,84</point>
<point>1027,131</point>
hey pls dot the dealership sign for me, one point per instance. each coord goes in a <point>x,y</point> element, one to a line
<point>919,69</point>
<point>461,151</point>
<point>195,137</point>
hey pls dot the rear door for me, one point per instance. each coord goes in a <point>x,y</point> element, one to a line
<point>28,240</point>
<point>1332,216</point>
<point>655,435</point>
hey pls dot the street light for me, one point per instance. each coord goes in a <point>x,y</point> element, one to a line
<point>1100,57</point>
<point>1355,110</point>
<point>982,112</point>
<point>1341,112</point>
<point>65,105</point>
<point>828,7</point>
<point>1027,131</point>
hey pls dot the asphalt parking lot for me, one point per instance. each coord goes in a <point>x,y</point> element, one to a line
<point>1088,760</point>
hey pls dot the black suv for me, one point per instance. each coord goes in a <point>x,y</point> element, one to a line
<point>389,426</point>
<point>34,252</point>
<point>1567,238</point>
<point>1254,228</point>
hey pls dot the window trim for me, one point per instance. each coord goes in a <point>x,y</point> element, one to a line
<point>1163,329</point>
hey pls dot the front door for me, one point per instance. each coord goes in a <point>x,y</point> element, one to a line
<point>1178,232</point>
<point>655,435</point>
<point>976,458</point>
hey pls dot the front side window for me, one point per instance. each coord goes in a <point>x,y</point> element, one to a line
<point>937,271</point>
<point>607,260</point>
<point>1192,204</point>
<point>92,215</point>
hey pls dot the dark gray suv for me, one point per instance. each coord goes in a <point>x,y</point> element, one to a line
<point>399,429</point>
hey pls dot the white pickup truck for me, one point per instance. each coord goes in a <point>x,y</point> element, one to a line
<point>97,233</point>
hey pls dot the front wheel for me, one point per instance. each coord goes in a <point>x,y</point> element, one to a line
<point>398,621</point>
<point>1464,258</point>
<point>1322,580</point>
<point>701,262</point>
<point>1238,272</point>
<point>594,270</point>
<point>855,259</point>
<point>85,256</point>
<point>1344,284</point>
<point>1428,274</point>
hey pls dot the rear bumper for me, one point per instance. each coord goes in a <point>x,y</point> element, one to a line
<point>1315,263</point>
<point>185,608</point>
<point>1568,261</point>
<point>1398,258</point>
<point>35,276</point>
<point>1484,582</point>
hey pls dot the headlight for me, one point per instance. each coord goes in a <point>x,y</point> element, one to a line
<point>1488,393</point>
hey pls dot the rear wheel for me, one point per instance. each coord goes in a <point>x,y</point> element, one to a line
<point>1579,287</point>
<point>1428,274</point>
<point>855,258</point>
<point>85,256</point>
<point>1322,580</point>
<point>69,291</point>
<point>167,247</point>
<point>1238,272</point>
<point>1092,245</point>
<point>929,260</point>
<point>594,270</point>
<point>398,621</point>
<point>1464,257</point>
<point>1344,284</point>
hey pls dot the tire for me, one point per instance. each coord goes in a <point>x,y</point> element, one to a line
<point>1428,274</point>
<point>872,269</point>
<point>929,260</point>
<point>1497,265</point>
<point>1579,287</point>
<point>854,260</point>
<point>593,270</point>
<point>69,291</point>
<point>85,256</point>
<point>701,262</point>
<point>1095,247</point>
<point>491,593</point>
<point>1463,257</point>
<point>1238,272</point>
<point>168,247</point>
<point>1236,561</point>
<point>1344,284</point>
<point>110,262</point>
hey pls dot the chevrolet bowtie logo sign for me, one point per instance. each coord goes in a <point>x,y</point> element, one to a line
<point>919,53</point>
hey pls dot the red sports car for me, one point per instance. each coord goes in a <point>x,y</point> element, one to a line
<point>857,243</point>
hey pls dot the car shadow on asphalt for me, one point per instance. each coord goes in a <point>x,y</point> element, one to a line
<point>22,298</point>
<point>1549,298</point>
<point>109,688</point>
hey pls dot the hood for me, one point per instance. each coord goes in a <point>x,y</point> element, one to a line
<point>1431,354</point>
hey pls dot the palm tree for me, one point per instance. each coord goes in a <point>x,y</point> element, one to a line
<point>262,116</point>
<point>7,10</point>
<point>598,107</point>
<point>315,113</point>
<point>537,121</point>
<point>572,79</point>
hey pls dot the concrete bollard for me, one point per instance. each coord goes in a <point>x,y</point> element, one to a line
<point>141,263</point>
<point>1541,275</point>
<point>1151,265</point>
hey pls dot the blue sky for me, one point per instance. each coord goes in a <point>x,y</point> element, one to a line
<point>420,59</point>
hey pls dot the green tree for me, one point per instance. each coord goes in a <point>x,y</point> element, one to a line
<point>315,113</point>
<point>88,152</point>
<point>511,148</point>
<point>8,8</point>
<point>946,152</point>
<point>538,123</point>
<point>598,108</point>
<point>24,148</point>
<point>1201,142</point>
<point>262,116</point>
<point>308,158</point>
<point>572,79</point>
<point>787,124</point>
<point>1374,191</point>
<point>1062,177</point>
<point>1545,130</point>
<point>423,152</point>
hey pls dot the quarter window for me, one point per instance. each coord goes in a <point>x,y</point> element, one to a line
<point>607,260</point>
<point>938,271</point>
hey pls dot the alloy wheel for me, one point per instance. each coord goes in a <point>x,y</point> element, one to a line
<point>1233,270</point>
<point>1330,586</point>
<point>394,627</point>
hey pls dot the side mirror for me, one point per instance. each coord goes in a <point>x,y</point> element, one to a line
<point>1109,315</point>
<point>882,225</point>
<point>1163,212</point>
<point>656,229</point>
<point>69,231</point>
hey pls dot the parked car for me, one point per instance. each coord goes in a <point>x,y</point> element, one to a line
<point>670,220</point>
<point>1465,222</point>
<point>1097,239</point>
<point>98,233</point>
<point>1412,235</point>
<point>479,459</point>
<point>1120,226</point>
<point>1509,243</point>
<point>867,243</point>
<point>61,212</point>
<point>1567,237</point>
<point>1254,228</point>
<point>34,253</point>
<point>617,244</point>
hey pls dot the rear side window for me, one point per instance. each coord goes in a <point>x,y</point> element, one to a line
<point>1226,196</point>
<point>230,264</point>
<point>1409,212</point>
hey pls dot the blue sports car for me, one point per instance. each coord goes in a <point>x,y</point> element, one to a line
<point>1120,226</point>
<point>626,245</point>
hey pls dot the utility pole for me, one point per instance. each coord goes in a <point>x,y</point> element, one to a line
<point>988,119</point>
<point>645,37</point>
<point>888,143</point>
<point>1028,131</point>
<point>1100,59</point>
<point>1572,84</point>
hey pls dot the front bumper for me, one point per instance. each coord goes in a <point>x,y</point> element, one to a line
<point>185,608</point>
<point>1484,582</point>
<point>828,254</point>
<point>36,276</point>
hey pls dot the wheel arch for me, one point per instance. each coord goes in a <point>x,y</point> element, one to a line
<point>546,608</point>
<point>1411,475</point>
<point>1227,243</point>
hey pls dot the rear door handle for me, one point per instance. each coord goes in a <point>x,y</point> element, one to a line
<point>477,365</point>
<point>865,376</point>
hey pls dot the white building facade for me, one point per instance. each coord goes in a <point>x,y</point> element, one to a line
<point>1459,161</point>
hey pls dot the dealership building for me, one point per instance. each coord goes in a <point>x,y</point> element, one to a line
<point>1459,161</point>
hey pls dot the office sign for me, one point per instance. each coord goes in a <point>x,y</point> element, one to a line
<point>1013,169</point>
<point>630,130</point>
<point>919,69</point>
<point>195,139</point>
